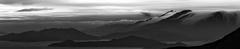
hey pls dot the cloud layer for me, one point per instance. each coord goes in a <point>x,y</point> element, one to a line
<point>33,9</point>
<point>26,8</point>
<point>132,3</point>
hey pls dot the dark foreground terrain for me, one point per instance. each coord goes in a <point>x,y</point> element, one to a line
<point>131,41</point>
<point>231,41</point>
<point>67,48</point>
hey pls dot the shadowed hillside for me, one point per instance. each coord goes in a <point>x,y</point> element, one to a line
<point>53,34</point>
<point>230,41</point>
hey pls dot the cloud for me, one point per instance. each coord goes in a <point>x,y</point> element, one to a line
<point>25,2</point>
<point>17,1</point>
<point>112,6</point>
<point>140,4</point>
<point>34,9</point>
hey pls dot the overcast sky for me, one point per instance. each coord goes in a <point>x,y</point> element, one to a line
<point>21,8</point>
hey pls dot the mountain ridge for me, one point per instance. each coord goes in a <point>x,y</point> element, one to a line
<point>190,25</point>
<point>52,34</point>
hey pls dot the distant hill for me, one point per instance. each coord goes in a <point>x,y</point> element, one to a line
<point>53,34</point>
<point>129,41</point>
<point>146,34</point>
<point>230,41</point>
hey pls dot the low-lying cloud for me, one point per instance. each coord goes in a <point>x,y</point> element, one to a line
<point>34,9</point>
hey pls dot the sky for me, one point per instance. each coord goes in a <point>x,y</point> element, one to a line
<point>11,9</point>
<point>80,9</point>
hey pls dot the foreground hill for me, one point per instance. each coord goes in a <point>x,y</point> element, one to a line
<point>130,41</point>
<point>230,41</point>
<point>53,34</point>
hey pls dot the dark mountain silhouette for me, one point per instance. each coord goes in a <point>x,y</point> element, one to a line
<point>130,41</point>
<point>166,13</point>
<point>151,18</point>
<point>53,34</point>
<point>176,17</point>
<point>221,17</point>
<point>179,14</point>
<point>113,28</point>
<point>138,22</point>
<point>186,25</point>
<point>230,41</point>
<point>150,34</point>
<point>185,16</point>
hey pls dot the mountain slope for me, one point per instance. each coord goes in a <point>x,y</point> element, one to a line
<point>187,26</point>
<point>218,17</point>
<point>53,34</point>
<point>230,41</point>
